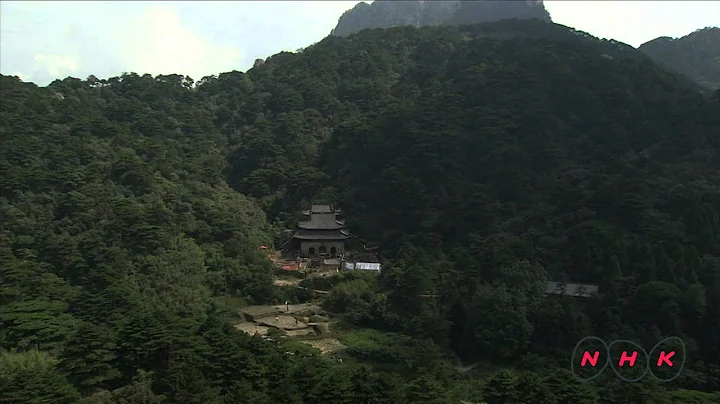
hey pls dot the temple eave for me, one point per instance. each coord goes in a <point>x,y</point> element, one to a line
<point>313,226</point>
<point>320,237</point>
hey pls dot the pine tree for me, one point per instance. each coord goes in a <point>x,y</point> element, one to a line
<point>611,281</point>
<point>566,389</point>
<point>502,388</point>
<point>665,271</point>
<point>31,377</point>
<point>532,390</point>
<point>89,359</point>
<point>140,391</point>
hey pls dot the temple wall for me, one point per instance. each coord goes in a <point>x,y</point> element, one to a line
<point>307,245</point>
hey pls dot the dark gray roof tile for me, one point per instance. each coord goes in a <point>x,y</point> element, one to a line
<point>320,235</point>
<point>322,221</point>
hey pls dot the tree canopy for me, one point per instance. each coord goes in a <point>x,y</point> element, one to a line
<point>484,160</point>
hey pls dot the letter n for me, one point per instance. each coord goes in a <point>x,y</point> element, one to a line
<point>592,359</point>
<point>628,358</point>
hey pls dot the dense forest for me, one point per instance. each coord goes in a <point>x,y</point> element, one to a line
<point>482,160</point>
<point>696,55</point>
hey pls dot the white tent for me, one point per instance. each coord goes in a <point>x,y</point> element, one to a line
<point>365,266</point>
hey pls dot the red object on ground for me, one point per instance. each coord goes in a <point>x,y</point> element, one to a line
<point>290,267</point>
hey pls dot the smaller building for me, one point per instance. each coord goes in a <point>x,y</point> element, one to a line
<point>571,289</point>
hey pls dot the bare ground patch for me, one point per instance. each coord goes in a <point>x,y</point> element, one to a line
<point>287,282</point>
<point>326,345</point>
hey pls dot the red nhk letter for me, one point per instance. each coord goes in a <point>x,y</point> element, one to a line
<point>665,357</point>
<point>592,359</point>
<point>624,358</point>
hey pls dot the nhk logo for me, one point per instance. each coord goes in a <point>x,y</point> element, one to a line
<point>628,360</point>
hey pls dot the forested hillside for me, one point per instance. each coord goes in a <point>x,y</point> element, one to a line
<point>483,161</point>
<point>696,55</point>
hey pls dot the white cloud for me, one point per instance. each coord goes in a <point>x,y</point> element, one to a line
<point>156,42</point>
<point>23,77</point>
<point>106,38</point>
<point>635,22</point>
<point>56,65</point>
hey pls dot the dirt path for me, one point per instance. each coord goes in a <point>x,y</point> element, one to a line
<point>465,369</point>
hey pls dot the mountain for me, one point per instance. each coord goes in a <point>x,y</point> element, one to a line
<point>696,55</point>
<point>481,160</point>
<point>418,13</point>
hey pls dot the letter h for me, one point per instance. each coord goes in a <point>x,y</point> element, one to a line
<point>628,358</point>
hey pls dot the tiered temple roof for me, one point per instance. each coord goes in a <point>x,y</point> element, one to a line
<point>322,224</point>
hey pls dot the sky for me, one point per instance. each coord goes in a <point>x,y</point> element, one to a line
<point>43,41</point>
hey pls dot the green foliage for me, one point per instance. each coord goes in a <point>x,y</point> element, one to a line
<point>567,390</point>
<point>502,388</point>
<point>140,391</point>
<point>559,387</point>
<point>428,389</point>
<point>397,350</point>
<point>37,324</point>
<point>90,357</point>
<point>622,197</point>
<point>483,160</point>
<point>695,55</point>
<point>692,397</point>
<point>358,300</point>
<point>31,377</point>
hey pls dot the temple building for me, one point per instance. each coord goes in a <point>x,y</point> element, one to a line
<point>322,235</point>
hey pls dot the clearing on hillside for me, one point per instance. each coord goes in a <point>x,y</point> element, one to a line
<point>326,345</point>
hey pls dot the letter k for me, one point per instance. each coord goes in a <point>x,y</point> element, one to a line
<point>665,357</point>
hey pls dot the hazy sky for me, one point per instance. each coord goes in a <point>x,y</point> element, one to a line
<point>42,41</point>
